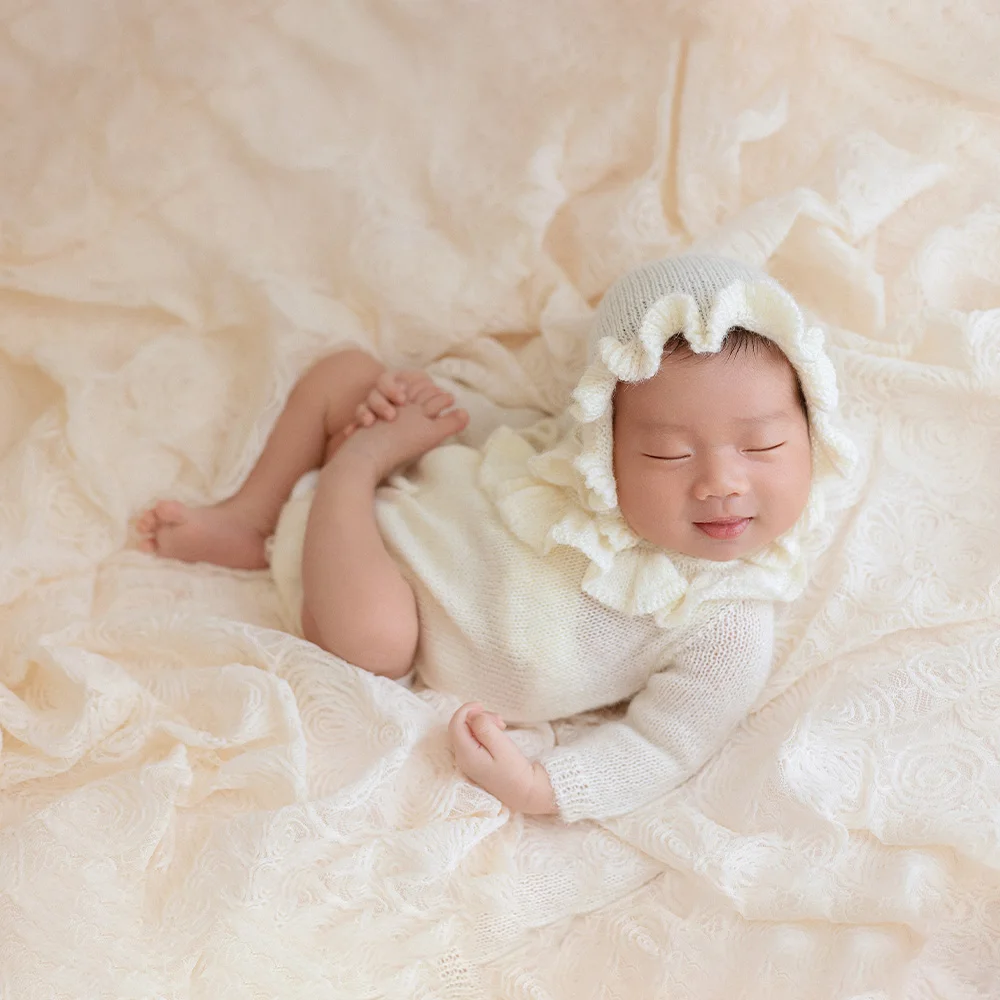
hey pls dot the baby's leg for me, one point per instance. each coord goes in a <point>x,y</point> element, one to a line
<point>356,602</point>
<point>324,401</point>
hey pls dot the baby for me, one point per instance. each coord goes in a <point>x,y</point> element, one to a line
<point>629,551</point>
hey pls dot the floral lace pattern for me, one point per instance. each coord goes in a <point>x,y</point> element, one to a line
<point>196,804</point>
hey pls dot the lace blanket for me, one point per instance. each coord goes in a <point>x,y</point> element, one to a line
<point>197,199</point>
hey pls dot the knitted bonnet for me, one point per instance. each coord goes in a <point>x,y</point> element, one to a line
<point>566,495</point>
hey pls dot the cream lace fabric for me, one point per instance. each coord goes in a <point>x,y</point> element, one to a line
<point>199,199</point>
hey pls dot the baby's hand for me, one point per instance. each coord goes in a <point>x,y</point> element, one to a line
<point>393,389</point>
<point>491,759</point>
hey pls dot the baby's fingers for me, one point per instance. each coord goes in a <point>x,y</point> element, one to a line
<point>380,406</point>
<point>391,388</point>
<point>470,755</point>
<point>458,726</point>
<point>489,735</point>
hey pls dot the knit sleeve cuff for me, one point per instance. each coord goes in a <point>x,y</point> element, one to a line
<point>572,790</point>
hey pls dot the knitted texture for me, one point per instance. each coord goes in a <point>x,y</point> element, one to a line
<point>674,723</point>
<point>702,298</point>
<point>510,626</point>
<point>627,303</point>
<point>537,599</point>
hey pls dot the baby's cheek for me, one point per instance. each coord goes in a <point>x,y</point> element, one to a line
<point>632,513</point>
<point>789,493</point>
<point>803,476</point>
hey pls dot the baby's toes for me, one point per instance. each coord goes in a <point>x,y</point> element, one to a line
<point>170,512</point>
<point>146,523</point>
<point>149,545</point>
<point>452,422</point>
<point>436,404</point>
<point>423,392</point>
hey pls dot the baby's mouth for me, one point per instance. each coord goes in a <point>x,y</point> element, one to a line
<point>724,528</point>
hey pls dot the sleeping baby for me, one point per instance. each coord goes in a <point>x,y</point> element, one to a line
<point>629,551</point>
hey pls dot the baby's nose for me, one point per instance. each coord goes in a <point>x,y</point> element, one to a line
<point>720,478</point>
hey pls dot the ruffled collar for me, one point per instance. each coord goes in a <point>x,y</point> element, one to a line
<point>564,493</point>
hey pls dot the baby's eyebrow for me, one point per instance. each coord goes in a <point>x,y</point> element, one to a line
<point>655,424</point>
<point>766,418</point>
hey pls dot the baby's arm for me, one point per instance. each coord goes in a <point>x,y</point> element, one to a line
<point>674,725</point>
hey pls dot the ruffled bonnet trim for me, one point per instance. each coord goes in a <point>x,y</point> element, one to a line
<point>566,495</point>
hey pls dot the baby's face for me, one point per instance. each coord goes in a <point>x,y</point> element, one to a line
<point>712,455</point>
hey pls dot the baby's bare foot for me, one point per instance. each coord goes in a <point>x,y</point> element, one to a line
<point>418,427</point>
<point>392,390</point>
<point>221,534</point>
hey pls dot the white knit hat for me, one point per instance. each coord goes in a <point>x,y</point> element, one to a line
<point>702,298</point>
<point>625,305</point>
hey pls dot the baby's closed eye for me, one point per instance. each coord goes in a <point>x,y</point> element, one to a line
<point>681,455</point>
<point>766,448</point>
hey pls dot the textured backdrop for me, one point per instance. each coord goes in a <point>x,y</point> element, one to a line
<point>197,199</point>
